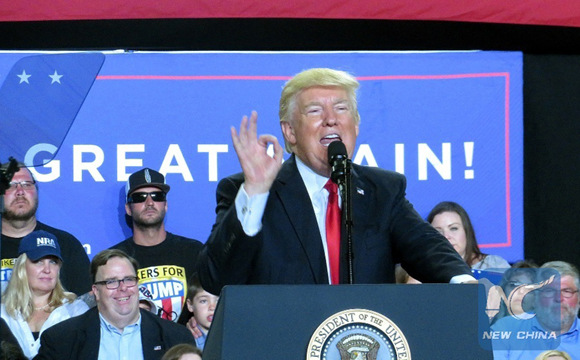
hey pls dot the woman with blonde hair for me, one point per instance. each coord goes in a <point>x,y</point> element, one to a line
<point>554,355</point>
<point>35,299</point>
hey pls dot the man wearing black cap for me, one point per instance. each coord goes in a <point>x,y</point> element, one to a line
<point>19,220</point>
<point>166,260</point>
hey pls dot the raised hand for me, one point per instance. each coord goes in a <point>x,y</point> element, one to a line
<point>191,325</point>
<point>259,168</point>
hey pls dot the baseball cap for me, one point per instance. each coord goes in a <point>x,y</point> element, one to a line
<point>39,244</point>
<point>146,297</point>
<point>143,178</point>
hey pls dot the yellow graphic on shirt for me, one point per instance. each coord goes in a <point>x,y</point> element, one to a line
<point>6,272</point>
<point>167,285</point>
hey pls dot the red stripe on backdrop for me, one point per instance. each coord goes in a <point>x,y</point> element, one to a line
<point>537,12</point>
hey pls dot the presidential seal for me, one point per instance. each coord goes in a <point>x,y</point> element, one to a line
<point>358,334</point>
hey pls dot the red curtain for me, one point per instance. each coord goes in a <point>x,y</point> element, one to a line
<point>537,12</point>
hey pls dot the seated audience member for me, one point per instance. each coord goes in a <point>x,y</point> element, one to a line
<point>116,328</point>
<point>403,277</point>
<point>198,311</point>
<point>35,299</point>
<point>165,258</point>
<point>553,355</point>
<point>183,352</point>
<point>555,325</point>
<point>19,219</point>
<point>452,221</point>
<point>513,278</point>
<point>146,300</point>
<point>525,264</point>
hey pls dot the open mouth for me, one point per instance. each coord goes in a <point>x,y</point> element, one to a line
<point>330,138</point>
<point>123,300</point>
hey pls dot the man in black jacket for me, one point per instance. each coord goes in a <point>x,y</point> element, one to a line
<point>116,328</point>
<point>275,224</point>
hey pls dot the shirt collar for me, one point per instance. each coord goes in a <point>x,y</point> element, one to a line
<point>574,329</point>
<point>314,183</point>
<point>112,328</point>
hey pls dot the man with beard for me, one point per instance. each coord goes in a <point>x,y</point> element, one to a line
<point>555,325</point>
<point>19,220</point>
<point>166,260</point>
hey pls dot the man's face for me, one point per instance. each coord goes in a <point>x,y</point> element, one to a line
<point>149,213</point>
<point>321,115</point>
<point>203,306</point>
<point>555,311</point>
<point>20,204</point>
<point>118,306</point>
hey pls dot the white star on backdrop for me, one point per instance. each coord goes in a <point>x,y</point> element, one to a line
<point>24,77</point>
<point>55,77</point>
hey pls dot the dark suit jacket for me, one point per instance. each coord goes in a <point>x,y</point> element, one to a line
<point>79,337</point>
<point>288,249</point>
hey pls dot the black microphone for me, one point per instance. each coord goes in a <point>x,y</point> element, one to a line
<point>338,159</point>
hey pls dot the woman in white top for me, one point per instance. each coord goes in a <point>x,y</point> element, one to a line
<point>34,299</point>
<point>452,221</point>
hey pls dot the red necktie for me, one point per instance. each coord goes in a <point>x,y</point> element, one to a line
<point>333,231</point>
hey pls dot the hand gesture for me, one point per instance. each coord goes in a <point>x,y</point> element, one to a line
<point>191,325</point>
<point>259,168</point>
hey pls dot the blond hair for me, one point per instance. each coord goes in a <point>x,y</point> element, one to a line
<point>18,297</point>
<point>546,355</point>
<point>316,77</point>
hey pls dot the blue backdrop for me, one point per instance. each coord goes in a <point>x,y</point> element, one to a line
<point>450,121</point>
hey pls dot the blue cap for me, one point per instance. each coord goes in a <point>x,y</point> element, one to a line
<point>39,244</point>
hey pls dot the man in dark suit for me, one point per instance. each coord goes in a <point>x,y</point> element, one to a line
<point>270,226</point>
<point>116,328</point>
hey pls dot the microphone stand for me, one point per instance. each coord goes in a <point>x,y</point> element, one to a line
<point>346,193</point>
<point>342,176</point>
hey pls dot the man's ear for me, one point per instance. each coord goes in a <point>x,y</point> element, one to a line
<point>288,131</point>
<point>95,292</point>
<point>128,209</point>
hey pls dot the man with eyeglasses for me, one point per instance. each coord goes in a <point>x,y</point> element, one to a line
<point>19,219</point>
<point>167,260</point>
<point>554,323</point>
<point>117,328</point>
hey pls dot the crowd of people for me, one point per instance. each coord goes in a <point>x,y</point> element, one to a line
<point>274,225</point>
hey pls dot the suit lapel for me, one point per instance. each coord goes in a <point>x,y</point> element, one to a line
<point>291,191</point>
<point>362,195</point>
<point>89,337</point>
<point>151,338</point>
